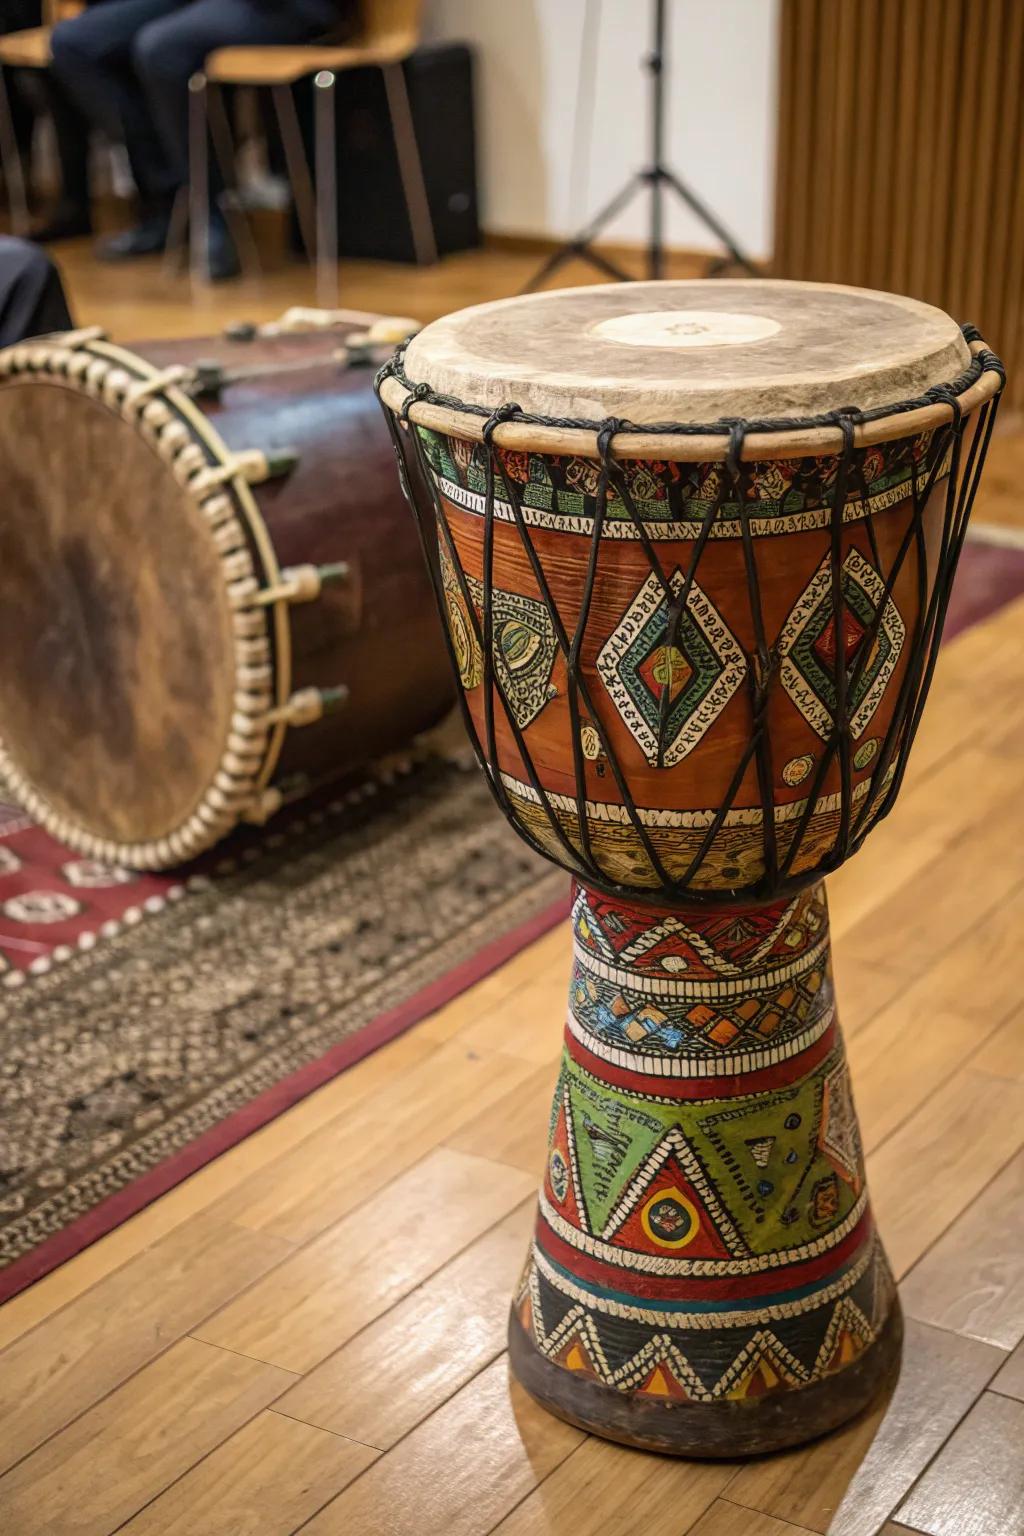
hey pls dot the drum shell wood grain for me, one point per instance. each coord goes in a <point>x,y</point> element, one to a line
<point>378,633</point>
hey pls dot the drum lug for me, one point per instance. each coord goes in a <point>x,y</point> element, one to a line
<point>303,583</point>
<point>260,810</point>
<point>368,348</point>
<point>309,705</point>
<point>208,379</point>
<point>255,466</point>
<point>251,465</point>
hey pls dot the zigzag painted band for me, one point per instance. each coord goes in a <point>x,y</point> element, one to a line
<point>690,991</point>
<point>661,1349</point>
<point>673,926</point>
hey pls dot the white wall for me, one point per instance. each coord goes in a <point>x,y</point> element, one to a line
<point>548,160</point>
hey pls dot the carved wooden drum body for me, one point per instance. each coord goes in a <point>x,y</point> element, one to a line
<point>695,544</point>
<point>210,595</point>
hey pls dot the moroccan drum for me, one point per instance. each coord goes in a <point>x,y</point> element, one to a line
<point>210,594</point>
<point>696,542</point>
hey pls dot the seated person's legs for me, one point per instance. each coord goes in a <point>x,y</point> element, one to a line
<point>92,62</point>
<point>167,52</point>
<point>72,214</point>
<point>15,16</point>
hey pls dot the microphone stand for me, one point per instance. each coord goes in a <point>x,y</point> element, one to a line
<point>658,177</point>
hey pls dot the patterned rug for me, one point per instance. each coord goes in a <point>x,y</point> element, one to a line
<point>149,1023</point>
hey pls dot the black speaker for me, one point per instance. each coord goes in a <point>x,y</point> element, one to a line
<point>373,220</point>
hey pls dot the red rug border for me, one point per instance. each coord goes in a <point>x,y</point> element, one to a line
<point>220,1138</point>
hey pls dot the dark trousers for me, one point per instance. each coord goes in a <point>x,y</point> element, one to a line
<point>32,298</point>
<point>32,92</point>
<point>127,64</point>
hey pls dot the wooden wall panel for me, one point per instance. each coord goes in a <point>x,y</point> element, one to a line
<point>901,155</point>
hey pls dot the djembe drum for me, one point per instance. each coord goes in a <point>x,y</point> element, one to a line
<point>211,599</point>
<point>696,542</point>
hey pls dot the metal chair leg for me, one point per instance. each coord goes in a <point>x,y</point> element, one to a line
<point>198,181</point>
<point>298,166</point>
<point>326,190</point>
<point>224,150</point>
<point>410,166</point>
<point>10,158</point>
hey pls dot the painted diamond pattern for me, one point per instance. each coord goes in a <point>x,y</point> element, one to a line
<point>524,645</point>
<point>701,672</point>
<point>808,645</point>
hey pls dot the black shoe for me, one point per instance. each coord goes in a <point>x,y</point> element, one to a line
<point>222,258</point>
<point>147,238</point>
<point>67,222</point>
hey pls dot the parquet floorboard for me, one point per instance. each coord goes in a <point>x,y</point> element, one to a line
<point>975,1486</point>
<point>848,1483</point>
<point>360,1391</point>
<point>104,1467</point>
<point>266,1480</point>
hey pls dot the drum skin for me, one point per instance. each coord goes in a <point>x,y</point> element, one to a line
<point>124,655</point>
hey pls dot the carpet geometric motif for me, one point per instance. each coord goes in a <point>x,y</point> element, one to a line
<point>808,645</point>
<point>281,947</point>
<point>700,672</point>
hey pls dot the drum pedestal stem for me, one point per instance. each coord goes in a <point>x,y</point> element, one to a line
<point>705,1277</point>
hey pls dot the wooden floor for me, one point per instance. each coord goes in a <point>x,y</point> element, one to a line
<point>308,1334</point>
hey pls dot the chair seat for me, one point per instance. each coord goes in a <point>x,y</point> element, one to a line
<point>26,50</point>
<point>286,65</point>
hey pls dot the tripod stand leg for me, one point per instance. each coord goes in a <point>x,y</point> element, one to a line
<point>706,216</point>
<point>580,245</point>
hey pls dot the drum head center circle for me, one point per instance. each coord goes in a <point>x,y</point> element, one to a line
<point>685,328</point>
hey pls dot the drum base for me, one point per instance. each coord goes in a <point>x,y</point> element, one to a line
<point>722,1430</point>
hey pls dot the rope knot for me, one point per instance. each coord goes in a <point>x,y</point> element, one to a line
<point>416,393</point>
<point>605,432</point>
<point>503,413</point>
